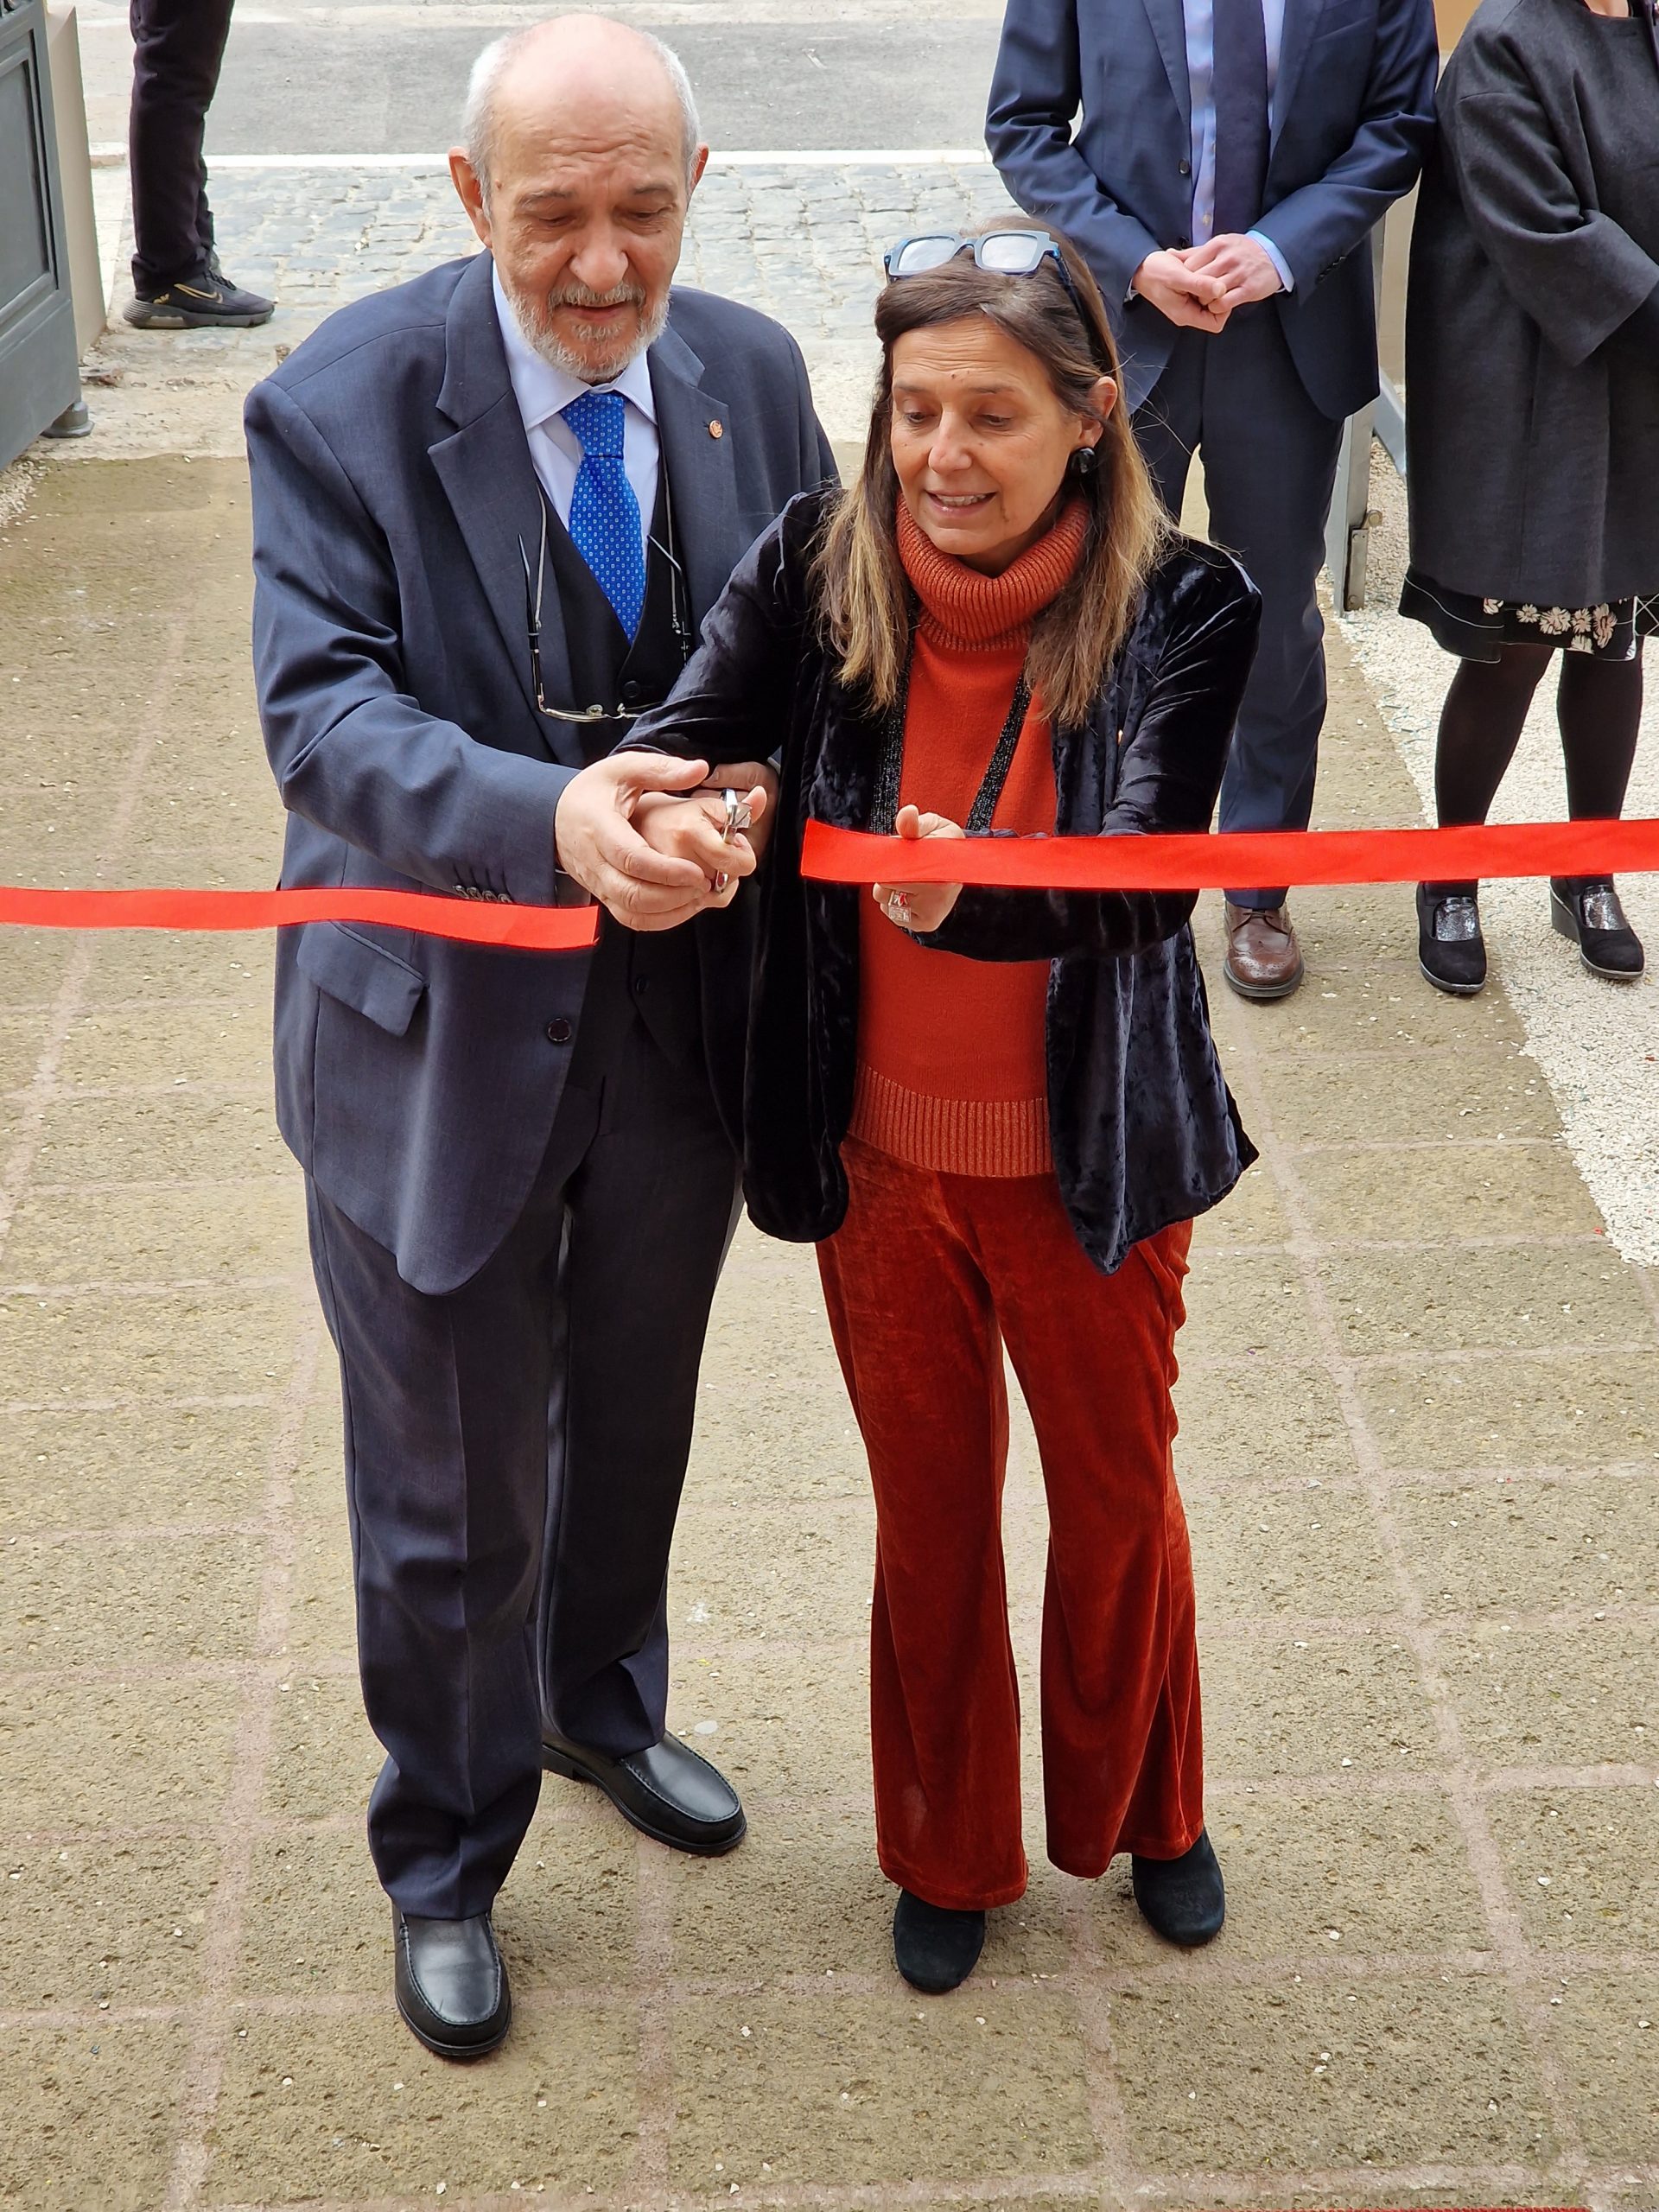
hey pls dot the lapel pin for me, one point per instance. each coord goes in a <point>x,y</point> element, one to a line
<point>716,429</point>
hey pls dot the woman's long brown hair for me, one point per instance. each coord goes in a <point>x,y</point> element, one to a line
<point>863,598</point>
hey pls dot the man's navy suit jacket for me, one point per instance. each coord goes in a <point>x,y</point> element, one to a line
<point>1353,113</point>
<point>417,1079</point>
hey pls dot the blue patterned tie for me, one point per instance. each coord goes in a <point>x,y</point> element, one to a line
<point>604,513</point>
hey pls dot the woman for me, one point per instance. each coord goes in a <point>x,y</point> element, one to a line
<point>1532,366</point>
<point>996,1112</point>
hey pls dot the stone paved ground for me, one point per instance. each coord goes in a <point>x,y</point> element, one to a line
<point>1421,1451</point>
<point>800,240</point>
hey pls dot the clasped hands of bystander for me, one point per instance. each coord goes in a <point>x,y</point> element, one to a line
<point>1198,287</point>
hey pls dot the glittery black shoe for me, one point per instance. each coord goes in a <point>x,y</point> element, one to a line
<point>1587,909</point>
<point>1451,951</point>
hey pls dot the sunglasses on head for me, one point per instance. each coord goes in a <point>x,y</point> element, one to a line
<point>1000,253</point>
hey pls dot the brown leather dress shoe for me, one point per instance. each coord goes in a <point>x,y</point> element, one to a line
<point>1263,959</point>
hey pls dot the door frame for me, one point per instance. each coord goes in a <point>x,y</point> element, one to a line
<point>40,379</point>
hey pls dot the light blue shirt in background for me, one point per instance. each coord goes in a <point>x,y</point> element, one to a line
<point>1200,19</point>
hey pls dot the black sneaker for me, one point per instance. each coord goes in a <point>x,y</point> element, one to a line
<point>204,300</point>
<point>1587,909</point>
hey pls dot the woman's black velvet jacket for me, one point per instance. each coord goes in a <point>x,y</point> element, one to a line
<point>1144,1131</point>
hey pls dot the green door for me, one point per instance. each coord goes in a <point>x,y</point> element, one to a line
<point>38,362</point>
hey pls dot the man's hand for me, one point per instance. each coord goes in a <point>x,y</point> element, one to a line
<point>1192,298</point>
<point>597,843</point>
<point>1242,266</point>
<point>919,906</point>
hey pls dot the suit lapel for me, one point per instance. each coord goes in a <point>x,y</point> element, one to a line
<point>695,431</point>
<point>1301,20</point>
<point>490,481</point>
<point>1168,21</point>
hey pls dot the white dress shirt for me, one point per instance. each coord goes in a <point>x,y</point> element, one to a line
<point>1200,23</point>
<point>541,390</point>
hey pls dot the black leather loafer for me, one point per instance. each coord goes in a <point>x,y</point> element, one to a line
<point>1451,951</point>
<point>934,1947</point>
<point>666,1791</point>
<point>452,1986</point>
<point>1182,1898</point>
<point>1587,909</point>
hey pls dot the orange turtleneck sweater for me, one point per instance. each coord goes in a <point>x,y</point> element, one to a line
<point>951,1068</point>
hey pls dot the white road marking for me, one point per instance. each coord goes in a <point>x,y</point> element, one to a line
<point>840,157</point>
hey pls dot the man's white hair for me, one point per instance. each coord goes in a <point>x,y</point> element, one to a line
<point>478,119</point>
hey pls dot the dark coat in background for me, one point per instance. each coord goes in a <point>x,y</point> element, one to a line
<point>1143,1128</point>
<point>1533,441</point>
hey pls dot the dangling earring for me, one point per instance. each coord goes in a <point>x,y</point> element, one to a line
<point>1084,461</point>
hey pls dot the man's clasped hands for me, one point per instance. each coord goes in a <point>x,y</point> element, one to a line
<point>645,834</point>
<point>1199,286</point>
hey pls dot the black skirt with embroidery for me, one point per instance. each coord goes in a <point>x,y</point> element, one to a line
<point>1477,629</point>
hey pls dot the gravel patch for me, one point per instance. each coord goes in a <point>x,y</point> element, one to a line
<point>16,484</point>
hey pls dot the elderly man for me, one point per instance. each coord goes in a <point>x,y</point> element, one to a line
<point>490,508</point>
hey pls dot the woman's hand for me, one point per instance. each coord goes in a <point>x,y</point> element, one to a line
<point>750,777</point>
<point>919,907</point>
<point>689,826</point>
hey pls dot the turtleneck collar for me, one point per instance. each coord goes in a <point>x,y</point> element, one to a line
<point>964,608</point>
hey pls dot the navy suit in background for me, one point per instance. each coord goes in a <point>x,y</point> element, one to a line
<point>521,1168</point>
<point>1351,112</point>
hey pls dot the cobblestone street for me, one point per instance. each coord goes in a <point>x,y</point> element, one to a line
<point>801,240</point>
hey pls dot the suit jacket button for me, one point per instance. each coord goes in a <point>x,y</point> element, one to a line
<point>631,693</point>
<point>1186,169</point>
<point>559,1030</point>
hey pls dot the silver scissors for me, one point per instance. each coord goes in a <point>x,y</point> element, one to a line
<point>738,818</point>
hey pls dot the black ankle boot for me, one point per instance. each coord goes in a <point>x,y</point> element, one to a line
<point>1451,951</point>
<point>1587,909</point>
<point>1183,1899</point>
<point>934,1947</point>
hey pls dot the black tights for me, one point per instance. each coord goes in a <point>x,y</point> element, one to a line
<point>1597,705</point>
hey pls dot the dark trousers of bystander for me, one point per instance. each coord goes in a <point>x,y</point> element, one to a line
<point>1270,464</point>
<point>178,46</point>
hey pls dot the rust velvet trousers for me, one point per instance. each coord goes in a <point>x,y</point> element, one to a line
<point>930,1277</point>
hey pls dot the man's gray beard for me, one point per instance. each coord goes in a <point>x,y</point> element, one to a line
<point>542,339</point>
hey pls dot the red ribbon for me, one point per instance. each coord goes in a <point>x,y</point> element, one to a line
<point>529,929</point>
<point>1182,862</point>
<point>1188,862</point>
